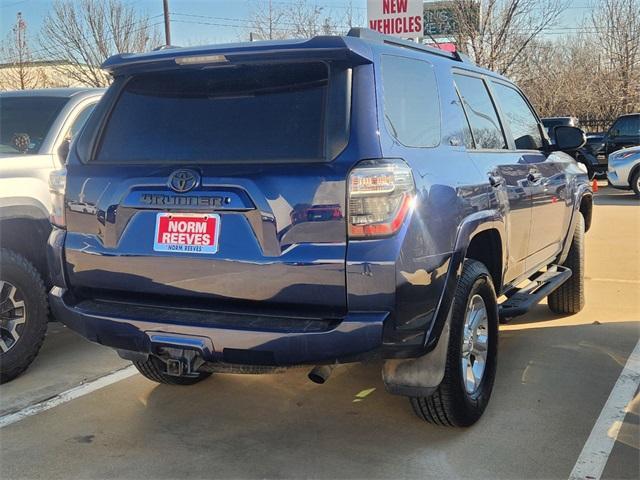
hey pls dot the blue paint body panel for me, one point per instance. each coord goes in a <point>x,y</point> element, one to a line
<point>287,285</point>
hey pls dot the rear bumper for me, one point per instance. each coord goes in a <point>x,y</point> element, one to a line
<point>134,330</point>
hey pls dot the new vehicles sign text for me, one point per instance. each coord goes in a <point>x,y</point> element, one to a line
<point>402,18</point>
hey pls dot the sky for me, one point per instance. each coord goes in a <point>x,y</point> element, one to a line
<point>217,21</point>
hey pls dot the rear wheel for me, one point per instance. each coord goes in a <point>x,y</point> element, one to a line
<point>470,370</point>
<point>569,297</point>
<point>154,369</point>
<point>23,314</point>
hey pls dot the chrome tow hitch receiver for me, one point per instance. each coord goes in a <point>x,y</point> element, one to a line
<point>181,355</point>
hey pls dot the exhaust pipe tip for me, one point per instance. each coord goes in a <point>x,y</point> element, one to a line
<point>320,373</point>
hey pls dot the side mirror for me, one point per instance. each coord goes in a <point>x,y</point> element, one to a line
<point>569,138</point>
<point>614,133</point>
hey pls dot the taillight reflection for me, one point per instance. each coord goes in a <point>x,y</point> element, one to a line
<point>57,186</point>
<point>381,194</point>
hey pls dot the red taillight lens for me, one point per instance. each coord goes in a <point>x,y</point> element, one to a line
<point>381,194</point>
<point>57,186</point>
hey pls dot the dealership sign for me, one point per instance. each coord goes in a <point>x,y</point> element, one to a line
<point>402,18</point>
<point>440,18</point>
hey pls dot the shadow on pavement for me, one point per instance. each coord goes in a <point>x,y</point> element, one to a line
<point>539,314</point>
<point>611,196</point>
<point>284,426</point>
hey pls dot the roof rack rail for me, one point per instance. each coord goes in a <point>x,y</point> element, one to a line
<point>372,35</point>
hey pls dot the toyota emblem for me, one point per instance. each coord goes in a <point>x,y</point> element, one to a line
<point>182,181</point>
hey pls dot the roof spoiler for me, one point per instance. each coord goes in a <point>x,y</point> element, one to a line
<point>320,48</point>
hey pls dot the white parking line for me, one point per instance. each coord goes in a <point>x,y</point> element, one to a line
<point>68,395</point>
<point>597,449</point>
<point>613,280</point>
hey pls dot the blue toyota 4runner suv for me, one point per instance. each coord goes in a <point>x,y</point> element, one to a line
<point>262,205</point>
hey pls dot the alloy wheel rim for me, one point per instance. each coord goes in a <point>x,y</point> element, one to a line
<point>12,314</point>
<point>475,342</point>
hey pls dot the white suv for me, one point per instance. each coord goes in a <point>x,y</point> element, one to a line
<point>624,169</point>
<point>36,127</point>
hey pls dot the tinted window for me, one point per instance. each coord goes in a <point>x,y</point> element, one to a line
<point>411,104</point>
<point>466,128</point>
<point>243,113</point>
<point>521,120</point>
<point>25,122</point>
<point>73,130</point>
<point>554,122</point>
<point>481,113</point>
<point>627,126</point>
<point>78,123</point>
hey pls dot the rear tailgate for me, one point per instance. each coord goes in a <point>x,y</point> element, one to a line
<point>274,242</point>
<point>253,157</point>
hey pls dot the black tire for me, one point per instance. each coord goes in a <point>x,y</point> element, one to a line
<point>451,404</point>
<point>590,170</point>
<point>153,369</point>
<point>569,298</point>
<point>17,271</point>
<point>635,183</point>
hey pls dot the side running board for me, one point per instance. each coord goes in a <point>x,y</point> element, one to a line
<point>521,300</point>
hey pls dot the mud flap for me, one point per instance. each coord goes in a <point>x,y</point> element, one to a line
<point>418,377</point>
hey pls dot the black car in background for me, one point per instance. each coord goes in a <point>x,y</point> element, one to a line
<point>624,133</point>
<point>550,123</point>
<point>585,154</point>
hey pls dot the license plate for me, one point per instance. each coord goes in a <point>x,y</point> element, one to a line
<point>187,233</point>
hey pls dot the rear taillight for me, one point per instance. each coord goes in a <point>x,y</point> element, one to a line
<point>57,185</point>
<point>381,194</point>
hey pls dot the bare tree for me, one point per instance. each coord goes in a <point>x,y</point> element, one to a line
<point>560,79</point>
<point>353,17</point>
<point>496,33</point>
<point>19,73</point>
<point>298,19</point>
<point>267,21</point>
<point>86,32</point>
<point>593,75</point>
<point>617,31</point>
<point>308,20</point>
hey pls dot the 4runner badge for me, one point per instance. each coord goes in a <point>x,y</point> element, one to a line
<point>182,181</point>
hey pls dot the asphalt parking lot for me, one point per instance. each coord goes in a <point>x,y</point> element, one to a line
<point>554,377</point>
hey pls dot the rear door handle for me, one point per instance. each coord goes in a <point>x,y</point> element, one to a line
<point>534,176</point>
<point>496,180</point>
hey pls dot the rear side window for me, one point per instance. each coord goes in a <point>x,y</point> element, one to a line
<point>236,114</point>
<point>481,113</point>
<point>411,104</point>
<point>521,120</point>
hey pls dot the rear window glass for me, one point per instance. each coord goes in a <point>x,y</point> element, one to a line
<point>411,104</point>
<point>25,122</point>
<point>224,114</point>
